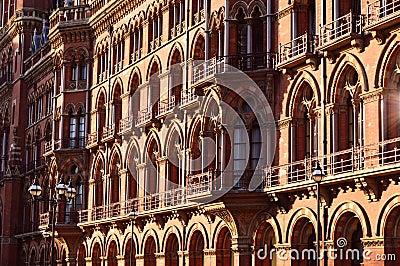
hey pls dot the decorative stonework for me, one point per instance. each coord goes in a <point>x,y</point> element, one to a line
<point>372,96</point>
<point>373,242</point>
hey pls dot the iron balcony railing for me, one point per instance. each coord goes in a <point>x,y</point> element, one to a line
<point>302,45</point>
<point>370,157</point>
<point>188,96</point>
<point>341,27</point>
<point>250,62</point>
<point>207,69</point>
<point>143,116</point>
<point>178,29</point>
<point>92,138</point>
<point>109,131</point>
<point>166,105</point>
<point>379,10</point>
<point>126,124</point>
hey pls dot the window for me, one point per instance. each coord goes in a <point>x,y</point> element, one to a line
<point>81,131</point>
<point>255,147</point>
<point>240,153</point>
<point>39,108</point>
<point>72,131</point>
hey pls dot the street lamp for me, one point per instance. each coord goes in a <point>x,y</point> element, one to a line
<point>61,189</point>
<point>132,216</point>
<point>318,175</point>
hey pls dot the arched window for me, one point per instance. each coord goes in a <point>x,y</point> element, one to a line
<point>198,11</point>
<point>240,152</point>
<point>136,43</point>
<point>155,31</point>
<point>118,54</point>
<point>151,184</point>
<point>242,42</point>
<point>177,18</point>
<point>98,184</point>
<point>116,107</point>
<point>101,113</point>
<point>134,105</point>
<point>174,163</point>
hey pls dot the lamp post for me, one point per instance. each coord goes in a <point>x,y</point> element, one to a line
<point>132,216</point>
<point>318,175</point>
<point>61,189</point>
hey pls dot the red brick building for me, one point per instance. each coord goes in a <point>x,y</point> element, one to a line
<point>137,104</point>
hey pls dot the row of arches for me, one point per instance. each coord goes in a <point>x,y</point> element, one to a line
<point>196,243</point>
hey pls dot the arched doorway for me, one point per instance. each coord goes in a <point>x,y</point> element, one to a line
<point>130,253</point>
<point>392,235</point>
<point>112,254</point>
<point>223,251</point>
<point>265,240</point>
<point>348,228</point>
<point>196,247</point>
<point>303,239</point>
<point>96,261</point>
<point>81,255</point>
<point>171,251</point>
<point>149,252</point>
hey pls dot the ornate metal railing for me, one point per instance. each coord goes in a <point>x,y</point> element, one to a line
<point>166,105</point>
<point>126,124</point>
<point>178,29</point>
<point>368,157</point>
<point>143,116</point>
<point>92,138</point>
<point>70,13</point>
<point>250,62</point>
<point>340,27</point>
<point>304,44</point>
<point>109,131</point>
<point>207,69</point>
<point>188,96</point>
<point>379,10</point>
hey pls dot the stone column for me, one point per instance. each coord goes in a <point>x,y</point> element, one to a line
<point>121,260</point>
<point>160,259</point>
<point>88,261</point>
<point>181,258</point>
<point>241,248</point>
<point>210,257</point>
<point>140,260</point>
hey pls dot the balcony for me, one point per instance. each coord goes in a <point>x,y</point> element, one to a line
<point>166,106</point>
<point>126,125</point>
<point>178,29</point>
<point>109,133</point>
<point>164,201</point>
<point>64,144</point>
<point>374,159</point>
<point>251,62</point>
<point>198,17</point>
<point>136,55</point>
<point>102,76</point>
<point>188,97</point>
<point>156,43</point>
<point>92,140</point>
<point>119,66</point>
<point>382,14</point>
<point>207,70</point>
<point>298,51</point>
<point>70,15</point>
<point>345,30</point>
<point>65,218</point>
<point>144,116</point>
